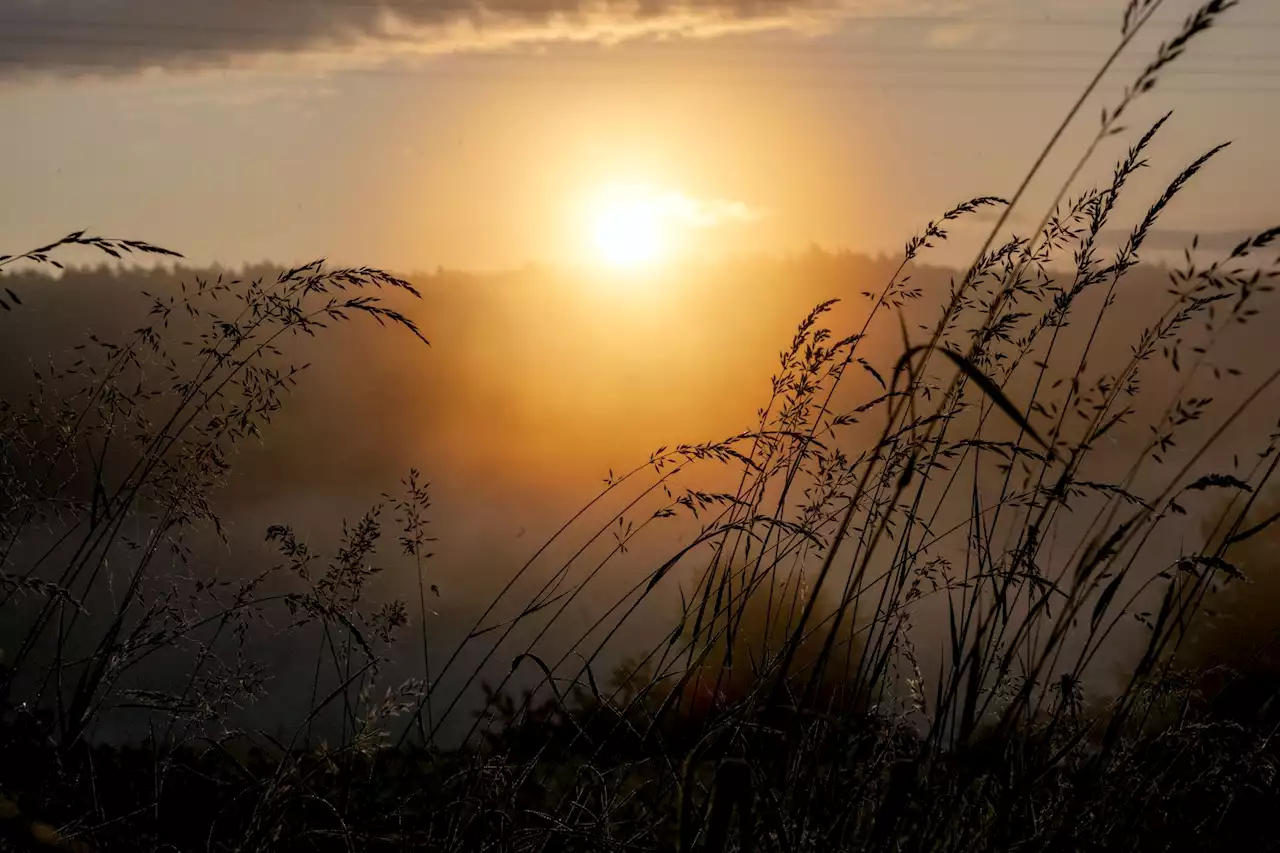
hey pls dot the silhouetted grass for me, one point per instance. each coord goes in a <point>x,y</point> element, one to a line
<point>788,707</point>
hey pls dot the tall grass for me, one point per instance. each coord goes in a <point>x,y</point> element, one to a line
<point>788,706</point>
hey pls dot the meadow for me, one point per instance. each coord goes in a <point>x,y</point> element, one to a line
<point>986,563</point>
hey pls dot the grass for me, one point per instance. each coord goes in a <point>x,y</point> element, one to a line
<point>788,707</point>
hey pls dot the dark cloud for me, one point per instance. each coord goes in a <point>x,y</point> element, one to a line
<point>1175,240</point>
<point>96,36</point>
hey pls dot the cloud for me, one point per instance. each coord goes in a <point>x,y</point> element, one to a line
<point>78,37</point>
<point>1176,240</point>
<point>676,207</point>
<point>704,213</point>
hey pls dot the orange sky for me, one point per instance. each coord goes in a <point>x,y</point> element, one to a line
<point>842,123</point>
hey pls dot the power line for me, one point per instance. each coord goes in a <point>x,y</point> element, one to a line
<point>758,82</point>
<point>526,62</point>
<point>851,57</point>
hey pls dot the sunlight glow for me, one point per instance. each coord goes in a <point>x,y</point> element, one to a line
<point>627,226</point>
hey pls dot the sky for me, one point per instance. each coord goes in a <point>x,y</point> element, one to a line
<point>411,134</point>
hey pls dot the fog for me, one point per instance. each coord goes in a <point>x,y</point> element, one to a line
<point>537,385</point>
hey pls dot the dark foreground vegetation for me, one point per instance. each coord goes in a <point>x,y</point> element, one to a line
<point>1023,492</point>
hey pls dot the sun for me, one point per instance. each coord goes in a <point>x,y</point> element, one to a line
<point>627,226</point>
